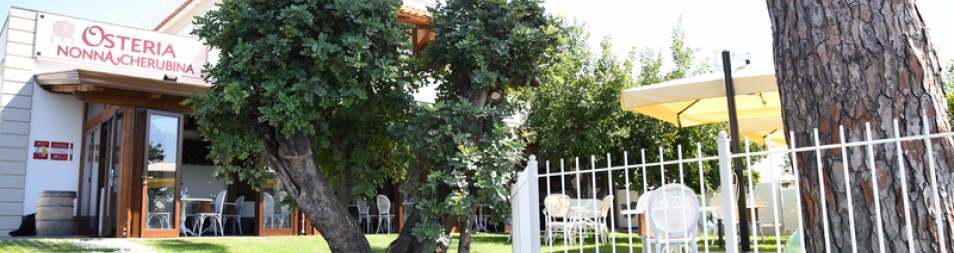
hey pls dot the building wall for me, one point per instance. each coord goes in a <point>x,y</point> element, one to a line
<point>16,102</point>
<point>56,117</point>
<point>199,180</point>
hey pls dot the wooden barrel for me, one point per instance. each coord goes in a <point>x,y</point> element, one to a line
<point>54,213</point>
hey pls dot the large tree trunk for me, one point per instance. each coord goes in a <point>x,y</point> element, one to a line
<point>850,63</point>
<point>463,245</point>
<point>406,241</point>
<point>294,160</point>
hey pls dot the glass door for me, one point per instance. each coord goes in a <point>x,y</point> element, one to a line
<point>88,202</point>
<point>100,166</point>
<point>275,217</point>
<point>161,174</point>
<point>109,173</point>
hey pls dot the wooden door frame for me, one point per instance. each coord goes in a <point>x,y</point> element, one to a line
<point>82,224</point>
<point>174,232</point>
<point>125,192</point>
<point>260,229</point>
<point>105,153</point>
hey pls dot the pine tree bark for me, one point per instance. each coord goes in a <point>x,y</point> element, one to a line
<point>851,63</point>
<point>294,160</point>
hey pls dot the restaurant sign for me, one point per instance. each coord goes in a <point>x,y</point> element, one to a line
<point>89,42</point>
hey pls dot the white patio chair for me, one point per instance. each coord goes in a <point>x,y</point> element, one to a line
<point>757,220</point>
<point>215,216</point>
<point>364,212</point>
<point>641,205</point>
<point>384,212</point>
<point>283,214</point>
<point>268,207</point>
<point>158,211</point>
<point>719,213</point>
<point>556,211</point>
<point>673,213</point>
<point>237,214</point>
<point>596,223</point>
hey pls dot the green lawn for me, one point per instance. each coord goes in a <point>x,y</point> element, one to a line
<point>484,242</point>
<point>39,245</point>
<point>622,245</point>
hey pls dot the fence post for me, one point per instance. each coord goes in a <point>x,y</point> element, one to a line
<point>725,180</point>
<point>526,211</point>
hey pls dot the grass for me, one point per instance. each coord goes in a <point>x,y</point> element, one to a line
<point>39,245</point>
<point>485,242</point>
<point>481,243</point>
<point>622,245</point>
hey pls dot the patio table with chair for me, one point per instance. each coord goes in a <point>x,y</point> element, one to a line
<point>571,217</point>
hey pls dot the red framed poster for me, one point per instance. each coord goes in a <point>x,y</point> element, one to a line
<point>60,151</point>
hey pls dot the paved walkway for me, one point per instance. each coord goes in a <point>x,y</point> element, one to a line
<point>122,245</point>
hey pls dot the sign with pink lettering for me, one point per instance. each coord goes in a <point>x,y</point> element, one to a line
<point>90,42</point>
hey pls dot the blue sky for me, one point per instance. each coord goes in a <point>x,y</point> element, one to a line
<point>737,25</point>
<point>127,13</point>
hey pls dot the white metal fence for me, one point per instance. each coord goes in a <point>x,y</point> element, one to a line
<point>527,200</point>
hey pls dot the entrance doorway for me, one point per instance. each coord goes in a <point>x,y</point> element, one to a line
<point>161,174</point>
<point>100,176</point>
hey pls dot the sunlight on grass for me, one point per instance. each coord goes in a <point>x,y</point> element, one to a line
<point>39,245</point>
<point>622,245</point>
<point>485,242</point>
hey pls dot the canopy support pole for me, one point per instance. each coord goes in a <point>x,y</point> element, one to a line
<point>736,162</point>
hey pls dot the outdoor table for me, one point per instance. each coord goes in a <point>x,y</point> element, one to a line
<point>748,213</point>
<point>182,212</point>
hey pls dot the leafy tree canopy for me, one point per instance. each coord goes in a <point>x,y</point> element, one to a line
<point>576,113</point>
<point>332,70</point>
<point>309,86</point>
<point>482,51</point>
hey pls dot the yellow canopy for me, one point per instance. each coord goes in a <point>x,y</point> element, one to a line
<point>701,99</point>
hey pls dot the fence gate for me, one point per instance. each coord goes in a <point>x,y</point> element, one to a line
<point>571,216</point>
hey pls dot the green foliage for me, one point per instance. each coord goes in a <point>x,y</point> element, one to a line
<point>494,44</point>
<point>331,69</point>
<point>462,172</point>
<point>468,153</point>
<point>948,81</point>
<point>577,114</point>
<point>156,153</point>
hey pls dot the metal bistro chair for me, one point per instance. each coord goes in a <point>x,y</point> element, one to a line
<point>556,210</point>
<point>158,211</point>
<point>384,212</point>
<point>718,213</point>
<point>237,215</point>
<point>268,207</point>
<point>673,212</point>
<point>590,222</point>
<point>757,220</point>
<point>364,213</point>
<point>283,214</point>
<point>215,217</point>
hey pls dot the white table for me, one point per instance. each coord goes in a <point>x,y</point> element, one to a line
<point>182,213</point>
